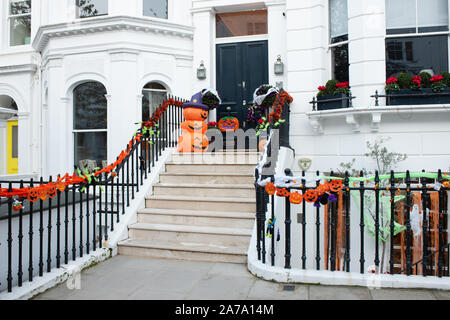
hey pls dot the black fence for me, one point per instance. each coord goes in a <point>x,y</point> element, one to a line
<point>53,231</point>
<point>326,229</point>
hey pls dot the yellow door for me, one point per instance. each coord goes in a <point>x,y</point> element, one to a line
<point>13,147</point>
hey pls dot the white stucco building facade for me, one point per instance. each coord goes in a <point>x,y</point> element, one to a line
<point>127,45</point>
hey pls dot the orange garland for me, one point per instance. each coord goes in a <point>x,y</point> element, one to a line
<point>309,196</point>
<point>275,116</point>
<point>49,190</point>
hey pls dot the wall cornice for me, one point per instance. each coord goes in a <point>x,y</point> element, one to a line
<point>27,68</point>
<point>107,24</point>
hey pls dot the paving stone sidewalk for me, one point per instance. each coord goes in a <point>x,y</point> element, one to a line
<point>125,278</point>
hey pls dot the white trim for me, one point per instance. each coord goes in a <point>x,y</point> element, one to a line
<point>259,37</point>
<point>408,35</point>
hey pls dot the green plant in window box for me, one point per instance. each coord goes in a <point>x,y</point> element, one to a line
<point>446,78</point>
<point>404,80</point>
<point>426,77</point>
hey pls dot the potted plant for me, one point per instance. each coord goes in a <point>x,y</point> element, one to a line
<point>418,90</point>
<point>335,95</point>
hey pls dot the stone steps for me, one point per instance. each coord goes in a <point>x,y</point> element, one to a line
<point>208,235</point>
<point>205,190</point>
<point>183,251</point>
<point>207,178</point>
<point>202,209</point>
<point>200,203</point>
<point>197,218</point>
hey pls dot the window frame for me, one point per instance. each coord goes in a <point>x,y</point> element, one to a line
<point>13,16</point>
<point>166,91</point>
<point>78,16</point>
<point>150,17</point>
<point>76,131</point>
<point>341,43</point>
<point>417,33</point>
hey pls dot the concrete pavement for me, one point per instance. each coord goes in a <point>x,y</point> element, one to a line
<point>127,278</point>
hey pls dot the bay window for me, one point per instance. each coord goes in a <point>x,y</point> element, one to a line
<point>19,22</point>
<point>155,8</point>
<point>417,36</point>
<point>91,8</point>
<point>338,14</point>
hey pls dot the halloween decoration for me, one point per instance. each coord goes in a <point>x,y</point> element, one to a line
<point>271,227</point>
<point>261,145</point>
<point>295,198</point>
<point>17,205</point>
<point>50,190</point>
<point>228,124</point>
<point>194,128</point>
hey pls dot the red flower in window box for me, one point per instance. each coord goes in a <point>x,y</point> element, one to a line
<point>322,88</point>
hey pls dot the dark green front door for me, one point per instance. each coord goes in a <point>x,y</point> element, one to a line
<point>241,68</point>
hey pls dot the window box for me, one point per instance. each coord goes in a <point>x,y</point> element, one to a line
<point>333,101</point>
<point>414,97</point>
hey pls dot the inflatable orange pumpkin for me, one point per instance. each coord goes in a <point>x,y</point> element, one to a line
<point>195,114</point>
<point>194,127</point>
<point>192,143</point>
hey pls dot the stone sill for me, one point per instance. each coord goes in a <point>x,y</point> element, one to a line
<point>353,116</point>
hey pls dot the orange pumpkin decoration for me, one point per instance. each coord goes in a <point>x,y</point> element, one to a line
<point>270,188</point>
<point>296,198</point>
<point>33,195</point>
<point>228,124</point>
<point>193,143</point>
<point>61,186</point>
<point>52,191</point>
<point>195,114</point>
<point>283,193</point>
<point>261,145</point>
<point>336,185</point>
<point>194,126</point>
<point>310,196</point>
<point>43,195</point>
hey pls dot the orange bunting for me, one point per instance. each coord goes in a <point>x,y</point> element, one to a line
<point>50,190</point>
<point>270,188</point>
<point>295,198</point>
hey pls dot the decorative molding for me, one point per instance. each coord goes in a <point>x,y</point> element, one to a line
<point>25,68</point>
<point>353,116</point>
<point>109,24</point>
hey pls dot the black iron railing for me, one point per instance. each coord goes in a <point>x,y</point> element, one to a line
<point>53,231</point>
<point>325,233</point>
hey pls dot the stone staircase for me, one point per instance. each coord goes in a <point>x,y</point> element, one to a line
<point>202,209</point>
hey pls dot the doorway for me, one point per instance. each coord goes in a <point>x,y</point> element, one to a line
<point>241,67</point>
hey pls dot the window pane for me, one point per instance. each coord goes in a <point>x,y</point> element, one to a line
<point>90,146</point>
<point>15,142</point>
<point>155,8</point>
<point>91,8</point>
<point>19,6</point>
<point>89,106</point>
<point>414,54</point>
<point>20,30</point>
<point>340,63</point>
<point>243,23</point>
<point>150,101</point>
<point>338,18</point>
<point>433,13</point>
<point>401,16</point>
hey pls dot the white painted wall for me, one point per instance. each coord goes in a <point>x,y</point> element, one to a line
<point>96,50</point>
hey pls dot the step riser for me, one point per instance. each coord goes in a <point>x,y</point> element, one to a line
<point>181,255</point>
<point>196,221</point>
<point>200,205</point>
<point>211,168</point>
<point>253,160</point>
<point>205,192</point>
<point>189,237</point>
<point>207,179</point>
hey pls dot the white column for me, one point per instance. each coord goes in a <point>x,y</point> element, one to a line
<point>204,50</point>
<point>123,107</point>
<point>24,155</point>
<point>277,40</point>
<point>308,57</point>
<point>367,29</point>
<point>3,144</point>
